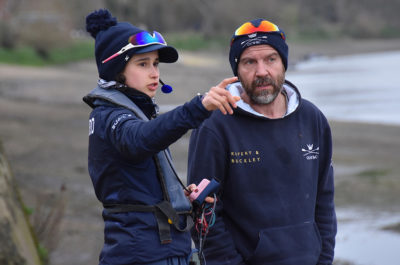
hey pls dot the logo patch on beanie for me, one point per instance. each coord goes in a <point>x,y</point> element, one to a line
<point>254,41</point>
<point>126,58</point>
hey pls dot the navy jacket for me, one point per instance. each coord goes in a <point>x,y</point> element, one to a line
<point>123,171</point>
<point>276,200</point>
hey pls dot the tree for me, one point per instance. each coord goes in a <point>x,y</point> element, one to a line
<point>8,9</point>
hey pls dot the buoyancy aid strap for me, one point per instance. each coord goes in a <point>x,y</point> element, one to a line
<point>173,218</point>
<point>164,230</point>
<point>165,215</point>
<point>124,208</point>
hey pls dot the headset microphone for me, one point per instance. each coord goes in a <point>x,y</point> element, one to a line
<point>165,88</point>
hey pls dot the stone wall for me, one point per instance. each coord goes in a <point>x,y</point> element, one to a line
<point>17,245</point>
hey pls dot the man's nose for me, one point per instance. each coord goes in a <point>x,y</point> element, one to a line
<point>262,69</point>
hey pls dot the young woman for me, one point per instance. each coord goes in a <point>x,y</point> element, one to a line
<point>146,214</point>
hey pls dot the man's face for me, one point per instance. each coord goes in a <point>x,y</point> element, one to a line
<point>261,73</point>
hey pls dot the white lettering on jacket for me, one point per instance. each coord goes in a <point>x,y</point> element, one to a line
<point>119,119</point>
<point>91,126</point>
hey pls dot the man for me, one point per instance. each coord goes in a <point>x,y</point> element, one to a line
<point>273,159</point>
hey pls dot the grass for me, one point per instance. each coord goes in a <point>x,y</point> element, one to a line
<point>193,41</point>
<point>20,56</point>
<point>85,50</point>
<point>373,173</point>
<point>28,56</point>
<point>76,51</point>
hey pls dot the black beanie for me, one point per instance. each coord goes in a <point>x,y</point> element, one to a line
<point>110,36</point>
<point>275,39</point>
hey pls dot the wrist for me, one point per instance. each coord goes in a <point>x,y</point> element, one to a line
<point>202,100</point>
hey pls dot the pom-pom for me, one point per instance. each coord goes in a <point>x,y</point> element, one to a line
<point>99,20</point>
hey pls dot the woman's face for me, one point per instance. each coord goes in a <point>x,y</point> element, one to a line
<point>142,73</point>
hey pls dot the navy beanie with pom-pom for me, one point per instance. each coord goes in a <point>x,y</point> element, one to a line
<point>110,36</point>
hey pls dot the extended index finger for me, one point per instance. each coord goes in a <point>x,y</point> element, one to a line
<point>227,81</point>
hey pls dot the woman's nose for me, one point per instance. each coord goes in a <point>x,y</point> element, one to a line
<point>154,72</point>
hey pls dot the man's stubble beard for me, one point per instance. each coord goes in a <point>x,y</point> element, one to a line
<point>264,97</point>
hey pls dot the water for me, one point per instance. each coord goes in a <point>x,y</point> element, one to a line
<point>362,240</point>
<point>361,88</point>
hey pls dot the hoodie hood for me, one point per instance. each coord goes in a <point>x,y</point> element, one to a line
<point>293,99</point>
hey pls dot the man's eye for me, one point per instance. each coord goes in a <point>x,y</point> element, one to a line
<point>273,58</point>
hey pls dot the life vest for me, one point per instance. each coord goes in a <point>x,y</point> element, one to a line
<point>175,203</point>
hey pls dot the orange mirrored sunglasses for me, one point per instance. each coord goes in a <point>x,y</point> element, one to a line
<point>265,26</point>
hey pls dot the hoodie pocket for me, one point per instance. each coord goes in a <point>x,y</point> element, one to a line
<point>298,244</point>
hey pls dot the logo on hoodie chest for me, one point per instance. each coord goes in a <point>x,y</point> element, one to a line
<point>310,152</point>
<point>245,157</point>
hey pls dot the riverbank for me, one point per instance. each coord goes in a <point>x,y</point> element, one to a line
<point>43,127</point>
<point>367,165</point>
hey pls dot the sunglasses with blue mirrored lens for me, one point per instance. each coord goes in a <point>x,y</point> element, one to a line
<point>140,39</point>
